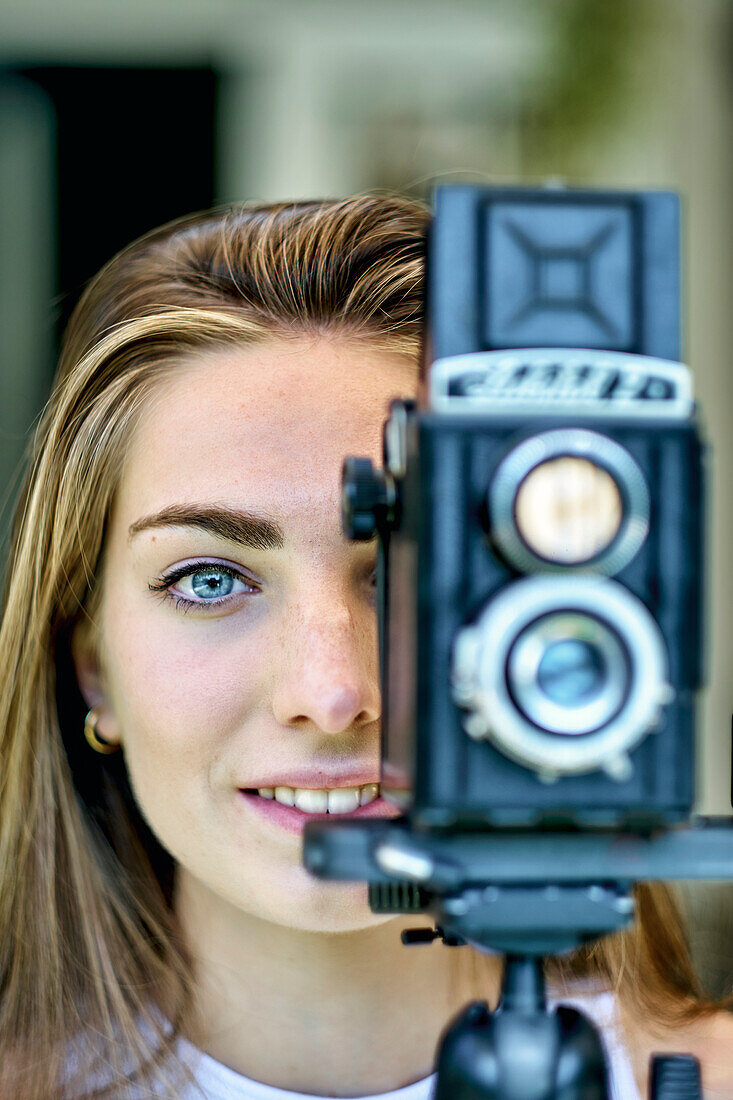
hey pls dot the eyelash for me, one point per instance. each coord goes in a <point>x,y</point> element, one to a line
<point>162,585</point>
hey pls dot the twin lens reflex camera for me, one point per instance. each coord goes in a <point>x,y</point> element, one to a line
<point>539,517</point>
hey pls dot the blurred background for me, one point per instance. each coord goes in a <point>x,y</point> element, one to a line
<point>115,118</point>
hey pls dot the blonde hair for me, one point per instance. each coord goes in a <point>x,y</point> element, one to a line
<point>94,973</point>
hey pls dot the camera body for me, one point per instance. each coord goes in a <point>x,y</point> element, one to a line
<point>540,520</point>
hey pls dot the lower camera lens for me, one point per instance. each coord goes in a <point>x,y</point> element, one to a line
<point>564,675</point>
<point>568,673</point>
<point>572,672</point>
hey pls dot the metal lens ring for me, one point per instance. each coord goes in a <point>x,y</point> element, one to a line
<point>596,451</point>
<point>496,657</point>
<point>568,673</point>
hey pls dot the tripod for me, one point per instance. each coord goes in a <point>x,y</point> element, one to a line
<point>522,1051</point>
<point>527,896</point>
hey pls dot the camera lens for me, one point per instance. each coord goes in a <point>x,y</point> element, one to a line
<point>568,500</point>
<point>571,672</point>
<point>568,510</point>
<point>567,673</point>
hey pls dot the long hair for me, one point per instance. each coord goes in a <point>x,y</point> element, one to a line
<point>96,983</point>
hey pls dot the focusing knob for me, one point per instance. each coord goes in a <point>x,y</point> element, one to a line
<point>367,499</point>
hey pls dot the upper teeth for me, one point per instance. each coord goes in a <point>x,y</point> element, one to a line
<point>342,800</point>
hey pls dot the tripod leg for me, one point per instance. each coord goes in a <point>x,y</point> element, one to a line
<point>521,1051</point>
<point>675,1077</point>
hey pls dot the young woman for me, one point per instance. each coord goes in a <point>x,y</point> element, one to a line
<point>188,653</point>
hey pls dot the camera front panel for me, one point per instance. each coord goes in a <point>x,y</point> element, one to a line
<point>572,699</point>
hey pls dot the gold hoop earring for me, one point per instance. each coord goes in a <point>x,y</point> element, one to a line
<point>90,732</point>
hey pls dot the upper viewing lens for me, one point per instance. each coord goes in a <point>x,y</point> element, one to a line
<point>568,510</point>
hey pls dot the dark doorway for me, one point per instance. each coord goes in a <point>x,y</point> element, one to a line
<point>135,148</point>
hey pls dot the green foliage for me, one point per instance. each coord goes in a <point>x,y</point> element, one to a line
<point>593,79</point>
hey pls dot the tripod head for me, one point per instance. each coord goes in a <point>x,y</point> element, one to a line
<point>528,896</point>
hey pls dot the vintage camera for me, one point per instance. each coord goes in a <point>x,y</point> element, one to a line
<point>540,519</point>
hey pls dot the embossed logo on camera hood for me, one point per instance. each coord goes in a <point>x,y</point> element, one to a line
<point>565,381</point>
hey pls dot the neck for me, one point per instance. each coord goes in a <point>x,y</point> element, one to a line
<point>327,1013</point>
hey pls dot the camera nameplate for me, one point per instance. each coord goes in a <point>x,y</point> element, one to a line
<point>561,381</point>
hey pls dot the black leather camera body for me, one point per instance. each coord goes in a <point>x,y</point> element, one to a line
<point>539,515</point>
<point>541,519</point>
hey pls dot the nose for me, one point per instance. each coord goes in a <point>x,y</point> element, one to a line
<point>327,676</point>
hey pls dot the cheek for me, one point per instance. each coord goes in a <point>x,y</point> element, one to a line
<point>182,686</point>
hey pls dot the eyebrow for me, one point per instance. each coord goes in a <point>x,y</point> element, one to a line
<point>253,531</point>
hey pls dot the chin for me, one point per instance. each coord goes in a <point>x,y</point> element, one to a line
<point>312,905</point>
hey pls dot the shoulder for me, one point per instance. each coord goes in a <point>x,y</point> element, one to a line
<point>709,1039</point>
<point>711,1042</point>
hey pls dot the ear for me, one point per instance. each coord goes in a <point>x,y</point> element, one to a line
<point>91,679</point>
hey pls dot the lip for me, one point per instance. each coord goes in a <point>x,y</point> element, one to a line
<point>295,821</point>
<point>317,780</point>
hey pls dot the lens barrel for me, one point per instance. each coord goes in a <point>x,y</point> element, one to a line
<point>564,675</point>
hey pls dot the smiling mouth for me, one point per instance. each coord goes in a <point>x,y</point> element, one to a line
<point>338,800</point>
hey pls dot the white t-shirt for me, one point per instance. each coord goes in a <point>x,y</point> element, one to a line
<point>218,1082</point>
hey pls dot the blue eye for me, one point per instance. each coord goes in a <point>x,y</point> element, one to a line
<point>210,583</point>
<point>199,584</point>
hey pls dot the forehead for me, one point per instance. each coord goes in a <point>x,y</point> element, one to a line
<point>239,424</point>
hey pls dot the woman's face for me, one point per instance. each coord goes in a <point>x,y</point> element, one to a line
<point>238,626</point>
